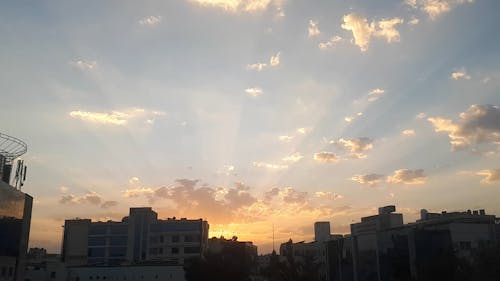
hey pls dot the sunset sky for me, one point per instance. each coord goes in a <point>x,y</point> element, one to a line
<point>250,113</point>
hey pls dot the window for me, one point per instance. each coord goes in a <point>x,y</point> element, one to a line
<point>97,241</point>
<point>175,251</point>
<point>11,271</point>
<point>191,250</point>
<point>175,239</point>
<point>117,252</point>
<point>118,241</point>
<point>97,230</point>
<point>53,275</point>
<point>96,252</point>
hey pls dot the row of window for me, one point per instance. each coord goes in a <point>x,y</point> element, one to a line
<point>173,251</point>
<point>113,229</point>
<point>111,241</point>
<point>107,252</point>
<point>155,239</point>
<point>7,271</point>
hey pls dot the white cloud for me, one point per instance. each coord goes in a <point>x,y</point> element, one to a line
<point>351,118</point>
<point>460,74</point>
<point>356,147</point>
<point>293,158</point>
<point>326,157</point>
<point>421,115</point>
<point>286,138</point>
<point>136,192</point>
<point>254,91</point>
<point>407,176</point>
<point>408,132</point>
<point>239,5</point>
<point>275,60</point>
<point>302,131</point>
<point>369,179</point>
<point>362,31</point>
<point>150,21</point>
<point>480,124</point>
<point>133,180</point>
<point>328,195</point>
<point>270,166</point>
<point>119,118</point>
<point>313,29</point>
<point>332,42</point>
<point>63,189</point>
<point>84,64</point>
<point>414,21</point>
<point>435,8</point>
<point>490,176</point>
<point>374,94</point>
<point>257,66</point>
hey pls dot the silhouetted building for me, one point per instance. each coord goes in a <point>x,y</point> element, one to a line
<point>41,266</point>
<point>244,251</point>
<point>139,238</point>
<point>322,231</point>
<point>127,273</point>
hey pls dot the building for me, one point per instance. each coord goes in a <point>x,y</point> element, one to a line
<point>128,273</point>
<point>41,266</point>
<point>15,211</point>
<point>137,239</point>
<point>322,231</point>
<point>245,252</point>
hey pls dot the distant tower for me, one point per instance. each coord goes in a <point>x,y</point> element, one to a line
<point>322,231</point>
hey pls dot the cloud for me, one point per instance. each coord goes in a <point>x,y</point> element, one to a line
<point>136,192</point>
<point>480,124</point>
<point>435,8</point>
<point>362,31</point>
<point>89,198</point>
<point>408,132</point>
<point>313,29</point>
<point>286,138</point>
<point>332,42</point>
<point>421,115</point>
<point>407,176</point>
<point>369,179</point>
<point>273,62</point>
<point>254,91</point>
<point>460,74</point>
<point>356,147</point>
<point>84,64</point>
<point>150,21</point>
<point>326,157</point>
<point>414,21</point>
<point>293,158</point>
<point>270,166</point>
<point>63,189</point>
<point>109,204</point>
<point>118,118</point>
<point>239,5</point>
<point>290,195</point>
<point>186,198</point>
<point>257,66</point>
<point>490,176</point>
<point>302,131</point>
<point>351,118</point>
<point>374,94</point>
<point>133,180</point>
<point>328,195</point>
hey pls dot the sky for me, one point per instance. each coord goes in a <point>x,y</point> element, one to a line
<point>252,114</point>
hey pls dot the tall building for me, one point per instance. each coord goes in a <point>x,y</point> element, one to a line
<point>322,231</point>
<point>139,238</point>
<point>15,211</point>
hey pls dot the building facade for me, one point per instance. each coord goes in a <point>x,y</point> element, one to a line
<point>139,238</point>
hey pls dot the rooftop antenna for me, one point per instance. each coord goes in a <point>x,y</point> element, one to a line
<point>273,239</point>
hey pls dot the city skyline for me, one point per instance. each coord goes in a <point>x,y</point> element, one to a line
<point>252,113</point>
